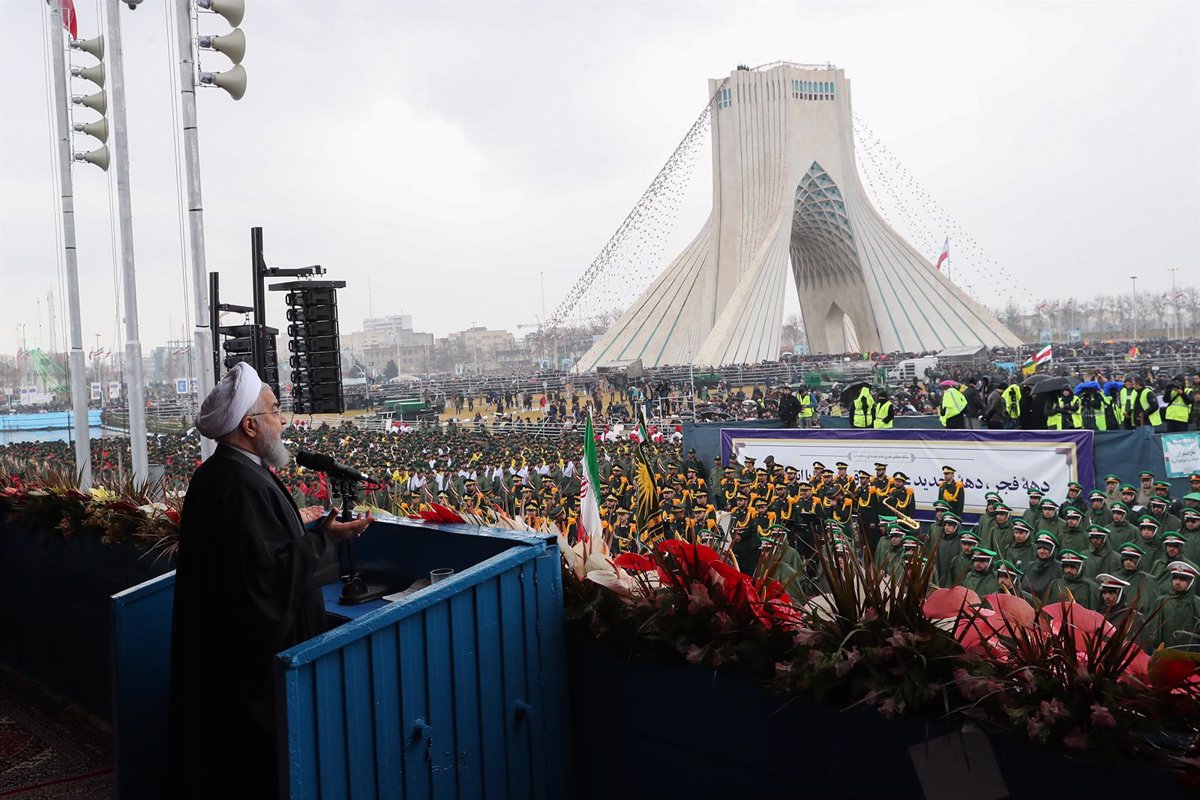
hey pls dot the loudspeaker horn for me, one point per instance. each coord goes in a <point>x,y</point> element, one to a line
<point>97,102</point>
<point>94,74</point>
<point>232,81</point>
<point>231,10</point>
<point>232,44</point>
<point>94,46</point>
<point>97,129</point>
<point>99,157</point>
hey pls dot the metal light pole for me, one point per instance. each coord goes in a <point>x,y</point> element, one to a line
<point>202,334</point>
<point>1135,320</point>
<point>79,396</point>
<point>134,385</point>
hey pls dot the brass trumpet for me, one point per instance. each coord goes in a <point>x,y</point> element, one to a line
<point>904,519</point>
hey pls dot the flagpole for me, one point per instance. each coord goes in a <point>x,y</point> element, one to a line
<point>78,372</point>
<point>134,389</point>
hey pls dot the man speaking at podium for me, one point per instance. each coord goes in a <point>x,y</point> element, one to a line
<point>243,592</point>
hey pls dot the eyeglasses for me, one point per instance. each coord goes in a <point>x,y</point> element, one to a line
<point>279,412</point>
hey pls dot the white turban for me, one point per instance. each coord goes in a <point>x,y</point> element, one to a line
<point>228,402</point>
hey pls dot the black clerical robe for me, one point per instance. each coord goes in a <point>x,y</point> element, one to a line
<point>244,591</point>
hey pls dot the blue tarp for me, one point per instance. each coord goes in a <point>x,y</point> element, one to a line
<point>51,420</point>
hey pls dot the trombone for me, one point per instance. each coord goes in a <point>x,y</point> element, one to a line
<point>903,519</point>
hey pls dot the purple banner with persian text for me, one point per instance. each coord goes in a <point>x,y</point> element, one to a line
<point>1006,462</point>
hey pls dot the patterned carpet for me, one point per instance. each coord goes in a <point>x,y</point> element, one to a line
<point>50,750</point>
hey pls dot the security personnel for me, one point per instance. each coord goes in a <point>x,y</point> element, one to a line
<point>951,491</point>
<point>1148,404</point>
<point>805,419</point>
<point>862,409</point>
<point>1065,412</point>
<point>1179,407</point>
<point>1011,397</point>
<point>953,410</point>
<point>884,412</point>
<point>1127,401</point>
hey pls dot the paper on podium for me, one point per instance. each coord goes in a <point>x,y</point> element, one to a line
<point>417,585</point>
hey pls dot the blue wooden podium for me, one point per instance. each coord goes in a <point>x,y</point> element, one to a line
<point>458,690</point>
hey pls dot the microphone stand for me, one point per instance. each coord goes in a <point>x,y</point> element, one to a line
<point>355,589</point>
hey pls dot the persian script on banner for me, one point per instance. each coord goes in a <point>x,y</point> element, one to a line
<point>1007,462</point>
<point>1181,454</point>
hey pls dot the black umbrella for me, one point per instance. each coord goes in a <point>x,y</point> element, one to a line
<point>1052,385</point>
<point>849,394</point>
<point>1034,380</point>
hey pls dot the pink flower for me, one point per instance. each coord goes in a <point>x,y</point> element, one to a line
<point>853,657</point>
<point>885,653</point>
<point>843,668</point>
<point>783,667</point>
<point>694,655</point>
<point>698,597</point>
<point>805,637</point>
<point>899,638</point>
<point>870,615</point>
<point>1102,717</point>
<point>1076,740</point>
<point>888,707</point>
<point>1035,729</point>
<point>723,621</point>
<point>1052,710</point>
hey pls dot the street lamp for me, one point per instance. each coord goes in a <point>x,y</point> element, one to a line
<point>1135,328</point>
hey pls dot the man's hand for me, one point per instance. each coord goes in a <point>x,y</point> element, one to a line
<point>340,531</point>
<point>310,514</point>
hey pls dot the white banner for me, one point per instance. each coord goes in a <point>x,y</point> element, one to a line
<point>1181,454</point>
<point>1006,462</point>
<point>114,390</point>
<point>96,391</point>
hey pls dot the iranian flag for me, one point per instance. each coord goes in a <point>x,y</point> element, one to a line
<point>69,19</point>
<point>589,487</point>
<point>945,256</point>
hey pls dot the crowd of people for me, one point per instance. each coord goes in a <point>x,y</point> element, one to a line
<point>1120,549</point>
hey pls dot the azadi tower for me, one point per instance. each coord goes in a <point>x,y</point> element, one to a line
<point>786,191</point>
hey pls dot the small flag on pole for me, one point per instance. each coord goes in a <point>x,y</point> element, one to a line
<point>1043,356</point>
<point>70,21</point>
<point>945,256</point>
<point>589,487</point>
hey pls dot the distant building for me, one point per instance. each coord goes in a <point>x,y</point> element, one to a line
<point>479,350</point>
<point>385,339</point>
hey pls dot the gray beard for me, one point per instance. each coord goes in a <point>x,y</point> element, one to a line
<point>274,453</point>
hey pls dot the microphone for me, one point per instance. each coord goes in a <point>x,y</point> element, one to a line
<point>326,464</point>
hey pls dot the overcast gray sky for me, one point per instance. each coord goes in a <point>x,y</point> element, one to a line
<point>448,154</point>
